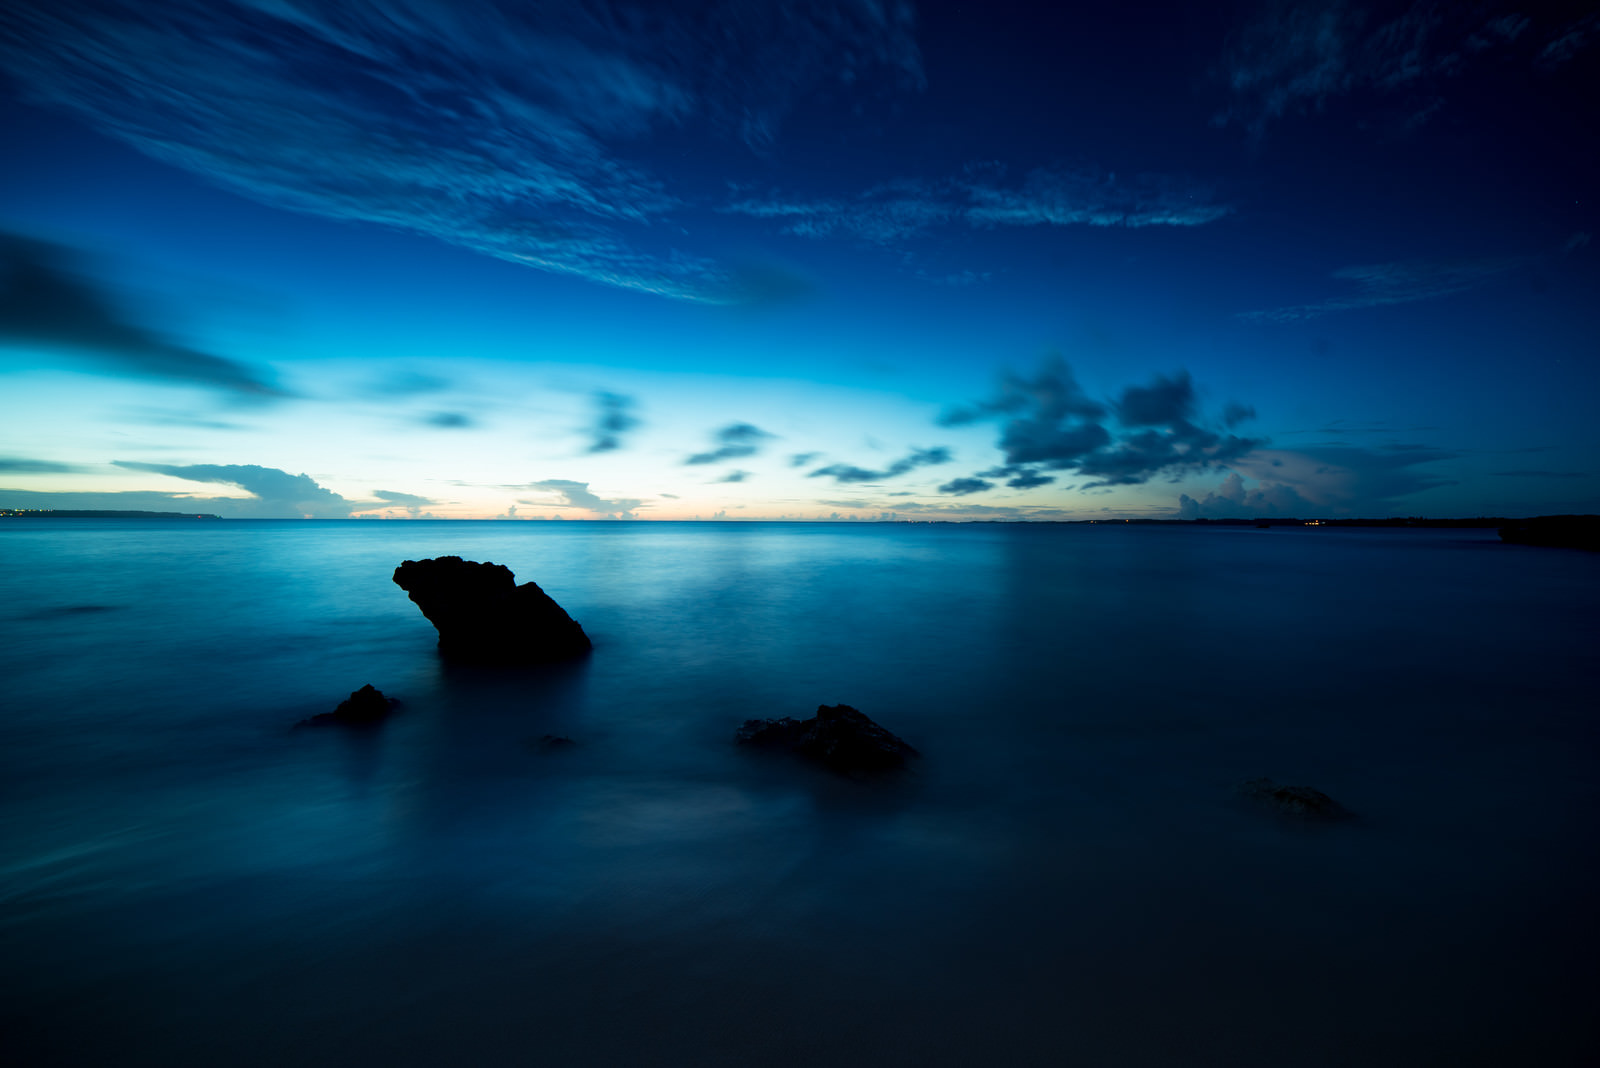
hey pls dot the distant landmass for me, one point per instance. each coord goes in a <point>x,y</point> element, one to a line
<point>1560,531</point>
<point>94,513</point>
<point>1566,531</point>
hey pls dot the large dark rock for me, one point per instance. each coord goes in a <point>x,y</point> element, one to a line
<point>364,707</point>
<point>838,737</point>
<point>484,617</point>
<point>1293,800</point>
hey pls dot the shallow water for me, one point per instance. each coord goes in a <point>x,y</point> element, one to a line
<point>1066,875</point>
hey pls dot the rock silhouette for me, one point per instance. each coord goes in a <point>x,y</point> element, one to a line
<point>484,617</point>
<point>838,737</point>
<point>364,707</point>
<point>1293,800</point>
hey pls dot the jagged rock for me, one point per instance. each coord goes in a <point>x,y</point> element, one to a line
<point>483,616</point>
<point>1293,800</point>
<point>363,708</point>
<point>838,737</point>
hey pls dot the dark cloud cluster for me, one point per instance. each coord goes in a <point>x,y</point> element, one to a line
<point>960,487</point>
<point>844,473</point>
<point>1018,477</point>
<point>614,419</point>
<point>48,297</point>
<point>498,126</point>
<point>733,442</point>
<point>1048,423</point>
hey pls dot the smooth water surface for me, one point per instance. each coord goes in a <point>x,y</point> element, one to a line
<point>1066,876</point>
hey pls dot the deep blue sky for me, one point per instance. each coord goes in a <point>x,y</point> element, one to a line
<point>289,257</point>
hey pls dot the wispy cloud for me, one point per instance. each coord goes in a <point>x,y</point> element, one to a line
<point>20,465</point>
<point>614,417</point>
<point>733,442</point>
<point>49,298</point>
<point>1382,284</point>
<point>494,126</point>
<point>1541,474</point>
<point>1571,40</point>
<point>905,465</point>
<point>1303,55</point>
<point>984,198</point>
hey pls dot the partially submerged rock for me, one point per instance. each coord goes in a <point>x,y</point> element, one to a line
<point>1293,800</point>
<point>363,708</point>
<point>838,736</point>
<point>484,617</point>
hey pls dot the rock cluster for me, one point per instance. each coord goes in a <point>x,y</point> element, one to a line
<point>364,707</point>
<point>1293,800</point>
<point>484,617</point>
<point>838,737</point>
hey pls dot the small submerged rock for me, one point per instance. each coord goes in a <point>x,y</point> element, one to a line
<point>838,737</point>
<point>1293,800</point>
<point>363,708</point>
<point>551,742</point>
<point>484,617</point>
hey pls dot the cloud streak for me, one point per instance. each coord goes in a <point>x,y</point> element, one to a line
<point>848,473</point>
<point>984,199</point>
<point>498,127</point>
<point>1382,284</point>
<point>48,298</point>
<point>19,465</point>
<point>733,442</point>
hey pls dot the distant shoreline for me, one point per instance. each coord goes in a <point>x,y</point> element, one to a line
<point>93,513</point>
<point>1417,522</point>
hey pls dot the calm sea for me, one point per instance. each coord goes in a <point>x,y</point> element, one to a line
<point>1065,877</point>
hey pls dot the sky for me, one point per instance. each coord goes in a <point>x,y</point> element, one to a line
<point>820,259</point>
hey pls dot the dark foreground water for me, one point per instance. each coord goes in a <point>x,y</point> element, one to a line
<point>1065,878</point>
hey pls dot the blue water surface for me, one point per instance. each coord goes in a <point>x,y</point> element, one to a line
<point>1067,875</point>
